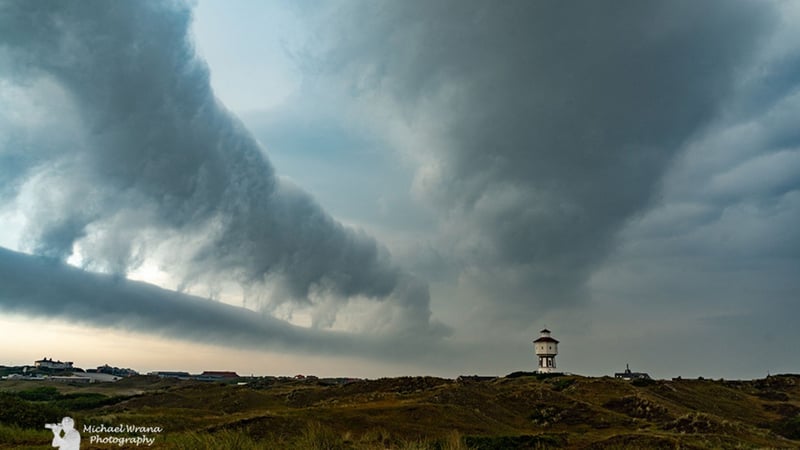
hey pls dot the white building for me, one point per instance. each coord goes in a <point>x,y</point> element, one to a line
<point>630,376</point>
<point>45,363</point>
<point>546,349</point>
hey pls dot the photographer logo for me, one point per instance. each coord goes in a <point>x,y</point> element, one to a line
<point>70,439</point>
<point>66,437</point>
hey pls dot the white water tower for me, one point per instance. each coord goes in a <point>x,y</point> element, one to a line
<point>546,349</point>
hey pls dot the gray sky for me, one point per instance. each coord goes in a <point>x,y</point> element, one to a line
<point>412,187</point>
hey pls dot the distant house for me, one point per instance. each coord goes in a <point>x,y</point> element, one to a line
<point>337,381</point>
<point>169,374</point>
<point>46,363</point>
<point>220,374</point>
<point>628,375</point>
<point>116,371</point>
<point>214,375</point>
<point>99,377</point>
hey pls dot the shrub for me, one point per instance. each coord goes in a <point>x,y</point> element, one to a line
<point>39,394</point>
<point>82,401</point>
<point>563,383</point>
<point>517,442</point>
<point>638,407</point>
<point>545,415</point>
<point>25,414</point>
<point>642,382</point>
<point>789,428</point>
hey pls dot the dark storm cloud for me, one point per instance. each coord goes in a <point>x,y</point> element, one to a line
<point>158,154</point>
<point>718,252</point>
<point>43,287</point>
<point>552,122</point>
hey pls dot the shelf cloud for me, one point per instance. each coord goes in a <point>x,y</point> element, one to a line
<point>43,287</point>
<point>144,156</point>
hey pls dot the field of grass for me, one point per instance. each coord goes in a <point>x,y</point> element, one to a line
<point>526,412</point>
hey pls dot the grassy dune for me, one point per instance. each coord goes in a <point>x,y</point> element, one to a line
<point>416,413</point>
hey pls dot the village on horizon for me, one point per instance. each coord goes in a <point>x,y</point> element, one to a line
<point>48,369</point>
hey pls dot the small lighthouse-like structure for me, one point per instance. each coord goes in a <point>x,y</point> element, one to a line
<point>546,349</point>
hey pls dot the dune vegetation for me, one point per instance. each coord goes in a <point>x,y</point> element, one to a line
<point>528,412</point>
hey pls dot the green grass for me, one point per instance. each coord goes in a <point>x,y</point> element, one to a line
<point>222,440</point>
<point>14,436</point>
<point>315,436</point>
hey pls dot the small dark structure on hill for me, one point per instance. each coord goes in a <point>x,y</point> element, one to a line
<point>463,378</point>
<point>629,376</point>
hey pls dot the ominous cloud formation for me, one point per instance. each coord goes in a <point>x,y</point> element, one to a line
<point>142,157</point>
<point>642,153</point>
<point>43,287</point>
<point>544,126</point>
